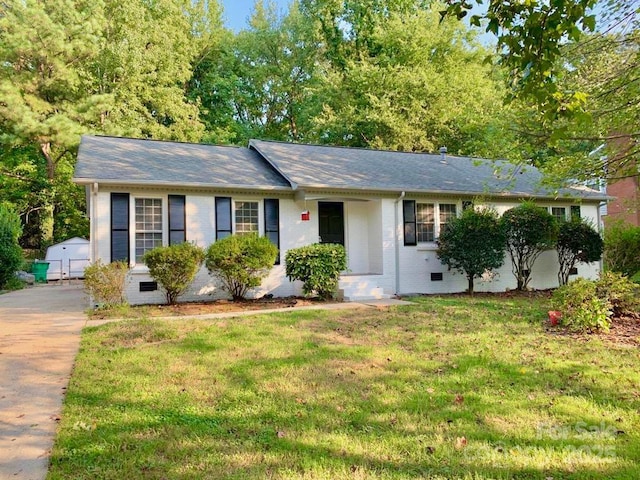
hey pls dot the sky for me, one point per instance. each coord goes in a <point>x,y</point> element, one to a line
<point>236,12</point>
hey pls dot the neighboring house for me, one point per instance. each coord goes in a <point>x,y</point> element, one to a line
<point>625,204</point>
<point>387,209</point>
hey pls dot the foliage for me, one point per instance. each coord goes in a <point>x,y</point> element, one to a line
<point>240,262</point>
<point>10,251</point>
<point>622,248</point>
<point>530,230</point>
<point>174,267</point>
<point>105,283</point>
<point>318,266</point>
<point>582,309</point>
<point>578,242</point>
<point>472,243</point>
<point>367,384</point>
<point>622,293</point>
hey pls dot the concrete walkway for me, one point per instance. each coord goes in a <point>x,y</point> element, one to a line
<point>39,339</point>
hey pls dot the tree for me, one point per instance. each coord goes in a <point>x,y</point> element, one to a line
<point>240,262</point>
<point>174,267</point>
<point>530,230</point>
<point>472,243</point>
<point>578,242</point>
<point>10,251</point>
<point>401,80</point>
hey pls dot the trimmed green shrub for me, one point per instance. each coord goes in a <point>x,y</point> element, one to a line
<point>578,242</point>
<point>473,243</point>
<point>10,251</point>
<point>530,230</point>
<point>582,309</point>
<point>622,294</point>
<point>622,248</point>
<point>240,262</point>
<point>105,283</point>
<point>318,266</point>
<point>174,267</point>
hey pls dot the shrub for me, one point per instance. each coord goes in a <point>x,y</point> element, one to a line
<point>578,242</point>
<point>240,262</point>
<point>174,267</point>
<point>105,283</point>
<point>530,230</point>
<point>318,266</point>
<point>582,309</point>
<point>473,244</point>
<point>10,251</point>
<point>622,294</point>
<point>622,248</point>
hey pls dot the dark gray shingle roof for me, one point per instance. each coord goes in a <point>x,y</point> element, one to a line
<point>315,166</point>
<point>135,161</point>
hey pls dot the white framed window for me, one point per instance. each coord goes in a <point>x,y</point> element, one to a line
<point>148,225</point>
<point>247,217</point>
<point>560,213</point>
<point>425,222</point>
<point>431,218</point>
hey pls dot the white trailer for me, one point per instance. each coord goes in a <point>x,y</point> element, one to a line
<point>67,259</point>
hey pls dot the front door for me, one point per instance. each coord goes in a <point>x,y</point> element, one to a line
<point>331,218</point>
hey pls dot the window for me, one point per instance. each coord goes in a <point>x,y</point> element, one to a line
<point>246,217</point>
<point>447,212</point>
<point>575,212</point>
<point>425,222</point>
<point>148,225</point>
<point>560,213</point>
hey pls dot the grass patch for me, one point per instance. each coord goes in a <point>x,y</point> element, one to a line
<point>449,388</point>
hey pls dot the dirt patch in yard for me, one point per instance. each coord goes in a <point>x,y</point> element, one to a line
<point>203,308</point>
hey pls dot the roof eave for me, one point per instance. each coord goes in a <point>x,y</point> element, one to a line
<point>137,183</point>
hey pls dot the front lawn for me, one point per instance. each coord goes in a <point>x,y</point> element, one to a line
<point>450,388</point>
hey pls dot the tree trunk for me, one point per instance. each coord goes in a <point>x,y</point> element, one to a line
<point>470,279</point>
<point>46,213</point>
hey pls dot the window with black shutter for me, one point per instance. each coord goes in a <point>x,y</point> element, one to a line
<point>223,217</point>
<point>409,221</point>
<point>120,227</point>
<point>177,219</point>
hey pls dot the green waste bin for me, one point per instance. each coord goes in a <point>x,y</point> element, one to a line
<point>39,270</point>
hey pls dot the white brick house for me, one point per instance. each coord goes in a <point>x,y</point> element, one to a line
<point>387,209</point>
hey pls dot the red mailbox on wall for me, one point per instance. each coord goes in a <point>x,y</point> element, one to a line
<point>304,216</point>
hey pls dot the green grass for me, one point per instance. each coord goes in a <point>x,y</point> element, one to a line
<point>352,395</point>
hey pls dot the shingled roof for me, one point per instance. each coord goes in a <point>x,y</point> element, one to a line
<point>325,167</point>
<point>128,161</point>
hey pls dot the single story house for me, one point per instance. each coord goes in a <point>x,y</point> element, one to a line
<point>387,208</point>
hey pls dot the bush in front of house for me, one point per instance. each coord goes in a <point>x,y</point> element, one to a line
<point>318,266</point>
<point>472,243</point>
<point>10,251</point>
<point>622,248</point>
<point>174,267</point>
<point>578,242</point>
<point>240,262</point>
<point>530,230</point>
<point>581,307</point>
<point>105,283</point>
<point>621,292</point>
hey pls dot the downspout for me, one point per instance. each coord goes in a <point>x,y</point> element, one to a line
<point>397,242</point>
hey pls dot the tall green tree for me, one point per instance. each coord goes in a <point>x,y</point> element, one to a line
<point>408,82</point>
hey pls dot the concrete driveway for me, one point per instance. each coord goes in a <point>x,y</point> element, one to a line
<point>39,339</point>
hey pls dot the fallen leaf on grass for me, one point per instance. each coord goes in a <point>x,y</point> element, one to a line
<point>461,442</point>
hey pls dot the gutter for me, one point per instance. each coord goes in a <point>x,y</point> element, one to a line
<point>137,183</point>
<point>397,240</point>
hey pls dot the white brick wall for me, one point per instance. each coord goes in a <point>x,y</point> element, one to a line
<point>370,235</point>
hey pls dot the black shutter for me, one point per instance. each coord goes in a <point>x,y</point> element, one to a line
<point>409,221</point>
<point>223,217</point>
<point>272,223</point>
<point>177,219</point>
<point>120,227</point>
